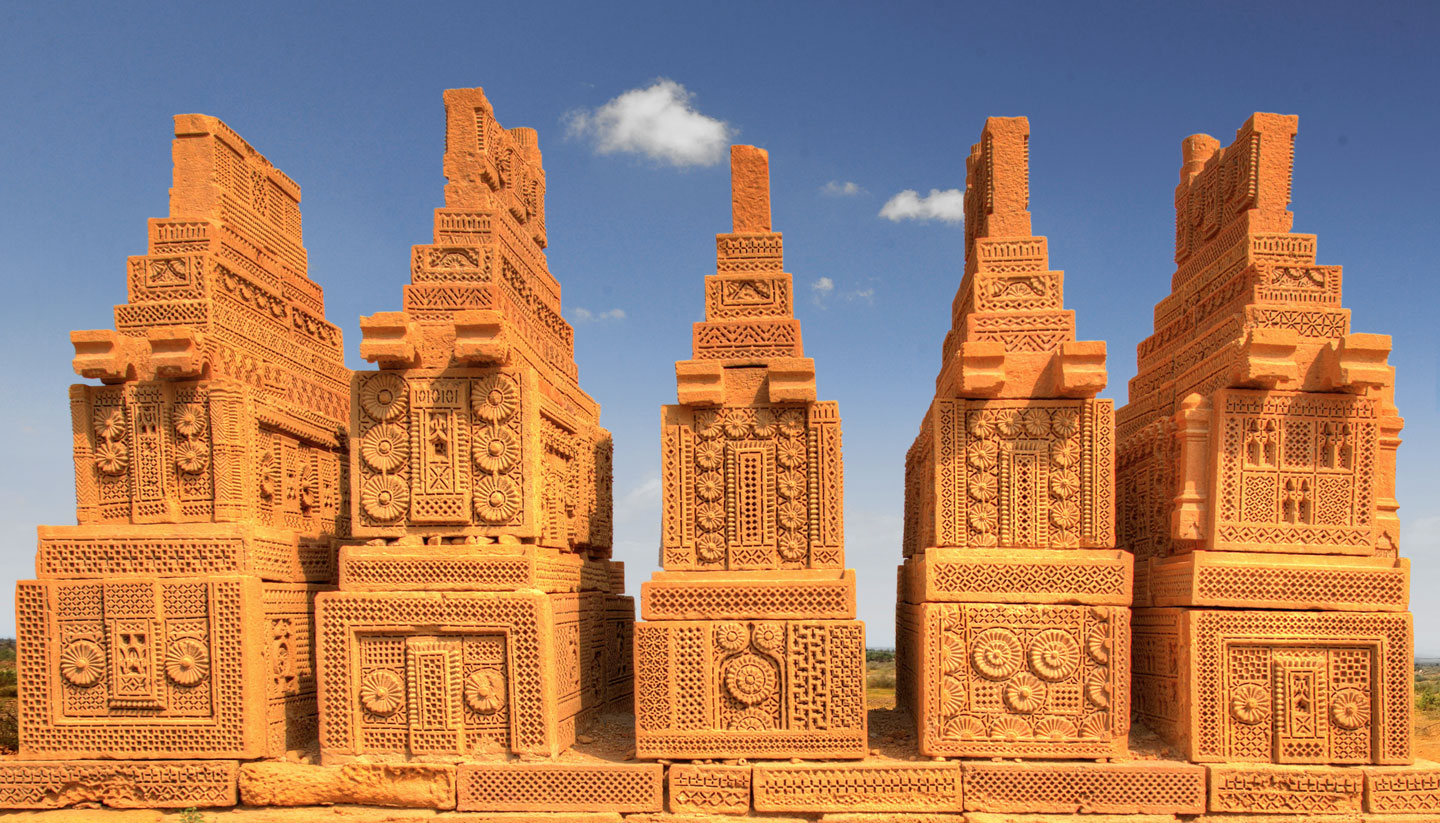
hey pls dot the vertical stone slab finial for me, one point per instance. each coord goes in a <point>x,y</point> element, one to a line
<point>750,189</point>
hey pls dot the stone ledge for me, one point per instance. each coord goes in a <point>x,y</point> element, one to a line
<point>419,786</point>
<point>1140,787</point>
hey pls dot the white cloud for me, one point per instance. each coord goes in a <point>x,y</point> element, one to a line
<point>821,289</point>
<point>947,206</point>
<point>657,121</point>
<point>835,188</point>
<point>861,296</point>
<point>579,314</point>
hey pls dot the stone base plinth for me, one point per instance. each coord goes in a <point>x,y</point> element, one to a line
<point>121,784</point>
<point>561,787</point>
<point>1246,580</point>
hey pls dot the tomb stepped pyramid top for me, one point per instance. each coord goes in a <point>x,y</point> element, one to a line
<point>223,291</point>
<point>750,320</point>
<point>1249,307</point>
<point>482,291</point>
<point>1011,334</point>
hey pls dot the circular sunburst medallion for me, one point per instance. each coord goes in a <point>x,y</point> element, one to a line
<point>1064,455</point>
<point>189,420</point>
<point>984,518</point>
<point>187,662</point>
<point>191,457</point>
<point>765,424</point>
<point>385,447</point>
<point>749,679</point>
<point>1350,709</point>
<point>1035,422</point>
<point>768,637</point>
<point>382,692</point>
<point>790,485</point>
<point>710,517</point>
<point>707,423</point>
<point>1009,727</point>
<point>1054,655</point>
<point>962,727</point>
<point>1063,423</point>
<point>111,425</point>
<point>1065,515</point>
<point>1097,688</point>
<point>385,498</point>
<point>112,458</point>
<point>790,454</point>
<point>791,422</point>
<point>496,499</point>
<point>952,696</point>
<point>383,396</point>
<point>952,654</point>
<point>709,486</point>
<point>982,454</point>
<point>710,547</point>
<point>981,487</point>
<point>750,721</point>
<point>497,450</point>
<point>791,516</point>
<point>1064,485</point>
<point>1250,704</point>
<point>732,637</point>
<point>1025,693</point>
<point>494,398</point>
<point>485,691</point>
<point>792,547</point>
<point>1095,726</point>
<point>981,425</point>
<point>737,423</point>
<point>1055,728</point>
<point>996,653</point>
<point>82,662</point>
<point>1097,644</point>
<point>709,454</point>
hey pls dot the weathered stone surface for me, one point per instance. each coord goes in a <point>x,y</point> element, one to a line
<point>860,787</point>
<point>176,784</point>
<point>1265,787</point>
<point>410,785</point>
<point>1403,789</point>
<point>708,789</point>
<point>541,787</point>
<point>1134,787</point>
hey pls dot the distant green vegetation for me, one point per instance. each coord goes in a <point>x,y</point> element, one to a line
<point>1427,687</point>
<point>879,655</point>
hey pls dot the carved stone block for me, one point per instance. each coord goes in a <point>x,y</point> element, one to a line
<point>1277,686</point>
<point>1044,681</point>
<point>1238,580</point>
<point>1133,787</point>
<point>207,667</point>
<point>709,789</point>
<point>1246,787</point>
<point>721,689</point>
<point>1395,790</point>
<point>1012,473</point>
<point>468,567</point>
<point>183,550</point>
<point>772,595</point>
<point>857,787</point>
<point>1081,576</point>
<point>441,675</point>
<point>545,787</point>
<point>121,784</point>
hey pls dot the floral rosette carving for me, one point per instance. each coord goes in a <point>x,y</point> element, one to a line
<point>1025,693</point>
<point>769,637</point>
<point>497,450</point>
<point>792,547</point>
<point>187,662</point>
<point>1250,704</point>
<point>1054,729</point>
<point>496,499</point>
<point>189,420</point>
<point>791,516</point>
<point>790,454</point>
<point>110,425</point>
<point>81,663</point>
<point>382,692</point>
<point>385,498</point>
<point>485,691</point>
<point>1054,655</point>
<point>112,458</point>
<point>732,637</point>
<point>1010,728</point>
<point>1097,688</point>
<point>710,548</point>
<point>737,423</point>
<point>1350,709</point>
<point>709,486</point>
<point>494,398</point>
<point>765,425</point>
<point>749,679</point>
<point>997,654</point>
<point>710,517</point>
<point>384,397</point>
<point>191,457</point>
<point>790,485</point>
<point>709,454</point>
<point>963,727</point>
<point>791,422</point>
<point>385,447</point>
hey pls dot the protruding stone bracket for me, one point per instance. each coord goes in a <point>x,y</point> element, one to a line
<point>1192,431</point>
<point>480,338</point>
<point>700,383</point>
<point>1266,359</point>
<point>1356,363</point>
<point>792,380</point>
<point>176,352</point>
<point>100,354</point>
<point>1080,368</point>
<point>390,340</point>
<point>979,369</point>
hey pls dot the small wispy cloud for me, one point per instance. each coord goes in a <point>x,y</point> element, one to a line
<point>861,296</point>
<point>821,289</point>
<point>657,121</point>
<point>835,188</point>
<point>947,206</point>
<point>579,314</point>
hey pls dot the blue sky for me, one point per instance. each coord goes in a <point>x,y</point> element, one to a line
<point>346,99</point>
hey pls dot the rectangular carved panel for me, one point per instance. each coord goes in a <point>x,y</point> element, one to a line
<point>122,784</point>
<point>545,787</point>
<point>709,789</point>
<point>771,595</point>
<point>1278,789</point>
<point>1048,681</point>
<point>857,787</point>
<point>1089,576</point>
<point>738,689</point>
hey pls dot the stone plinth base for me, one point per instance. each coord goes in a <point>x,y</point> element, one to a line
<point>535,787</point>
<point>1137,787</point>
<point>857,787</point>
<point>121,784</point>
<point>411,785</point>
<point>1247,580</point>
<point>1291,686</point>
<point>713,689</point>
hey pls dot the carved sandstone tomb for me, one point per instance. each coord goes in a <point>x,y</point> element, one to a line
<point>174,623</point>
<point>1257,489</point>
<point>482,616</point>
<point>1013,620</point>
<point>749,647</point>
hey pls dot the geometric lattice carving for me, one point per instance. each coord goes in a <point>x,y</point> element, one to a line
<point>560,787</point>
<point>173,784</point>
<point>1135,787</point>
<point>857,787</point>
